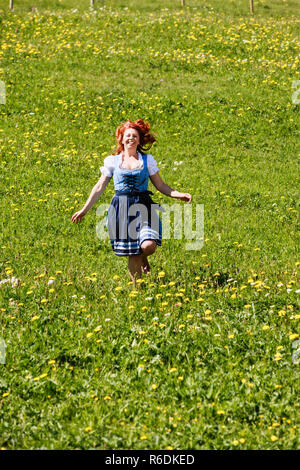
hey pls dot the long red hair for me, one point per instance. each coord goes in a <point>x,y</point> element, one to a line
<point>143,128</point>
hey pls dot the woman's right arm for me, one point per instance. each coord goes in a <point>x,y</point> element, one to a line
<point>96,192</point>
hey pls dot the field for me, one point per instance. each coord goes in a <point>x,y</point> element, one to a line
<point>203,353</point>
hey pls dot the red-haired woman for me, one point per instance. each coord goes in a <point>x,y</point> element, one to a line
<point>131,168</point>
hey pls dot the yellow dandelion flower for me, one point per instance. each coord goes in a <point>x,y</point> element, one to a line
<point>36,317</point>
<point>274,438</point>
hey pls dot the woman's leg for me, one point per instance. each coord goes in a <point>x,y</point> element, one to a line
<point>135,263</point>
<point>148,248</point>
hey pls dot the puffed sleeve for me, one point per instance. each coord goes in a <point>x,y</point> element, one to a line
<point>152,165</point>
<point>108,166</point>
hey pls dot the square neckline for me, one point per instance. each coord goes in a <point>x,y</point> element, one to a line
<point>128,169</point>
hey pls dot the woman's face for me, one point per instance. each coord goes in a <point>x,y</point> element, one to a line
<point>131,139</point>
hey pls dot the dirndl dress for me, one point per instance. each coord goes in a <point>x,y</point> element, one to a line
<point>132,216</point>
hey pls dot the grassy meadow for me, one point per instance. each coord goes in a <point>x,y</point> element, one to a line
<point>201,355</point>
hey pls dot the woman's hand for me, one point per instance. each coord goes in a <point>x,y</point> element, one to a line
<point>78,216</point>
<point>186,197</point>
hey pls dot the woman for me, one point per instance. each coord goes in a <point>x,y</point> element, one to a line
<point>131,169</point>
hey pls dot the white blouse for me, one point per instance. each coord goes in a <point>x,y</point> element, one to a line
<point>111,161</point>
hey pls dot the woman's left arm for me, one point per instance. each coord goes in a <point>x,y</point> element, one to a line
<point>167,190</point>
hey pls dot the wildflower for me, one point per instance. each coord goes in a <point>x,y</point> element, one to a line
<point>36,317</point>
<point>274,438</point>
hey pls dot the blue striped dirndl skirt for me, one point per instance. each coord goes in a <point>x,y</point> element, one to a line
<point>131,219</point>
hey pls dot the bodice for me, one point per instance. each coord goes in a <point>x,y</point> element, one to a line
<point>131,180</point>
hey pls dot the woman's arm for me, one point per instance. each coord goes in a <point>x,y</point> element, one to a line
<point>96,192</point>
<point>167,190</point>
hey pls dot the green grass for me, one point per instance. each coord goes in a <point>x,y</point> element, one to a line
<point>202,357</point>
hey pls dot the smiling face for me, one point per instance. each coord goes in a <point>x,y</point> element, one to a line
<point>131,139</point>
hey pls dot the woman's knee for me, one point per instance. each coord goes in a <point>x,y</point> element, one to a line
<point>148,247</point>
